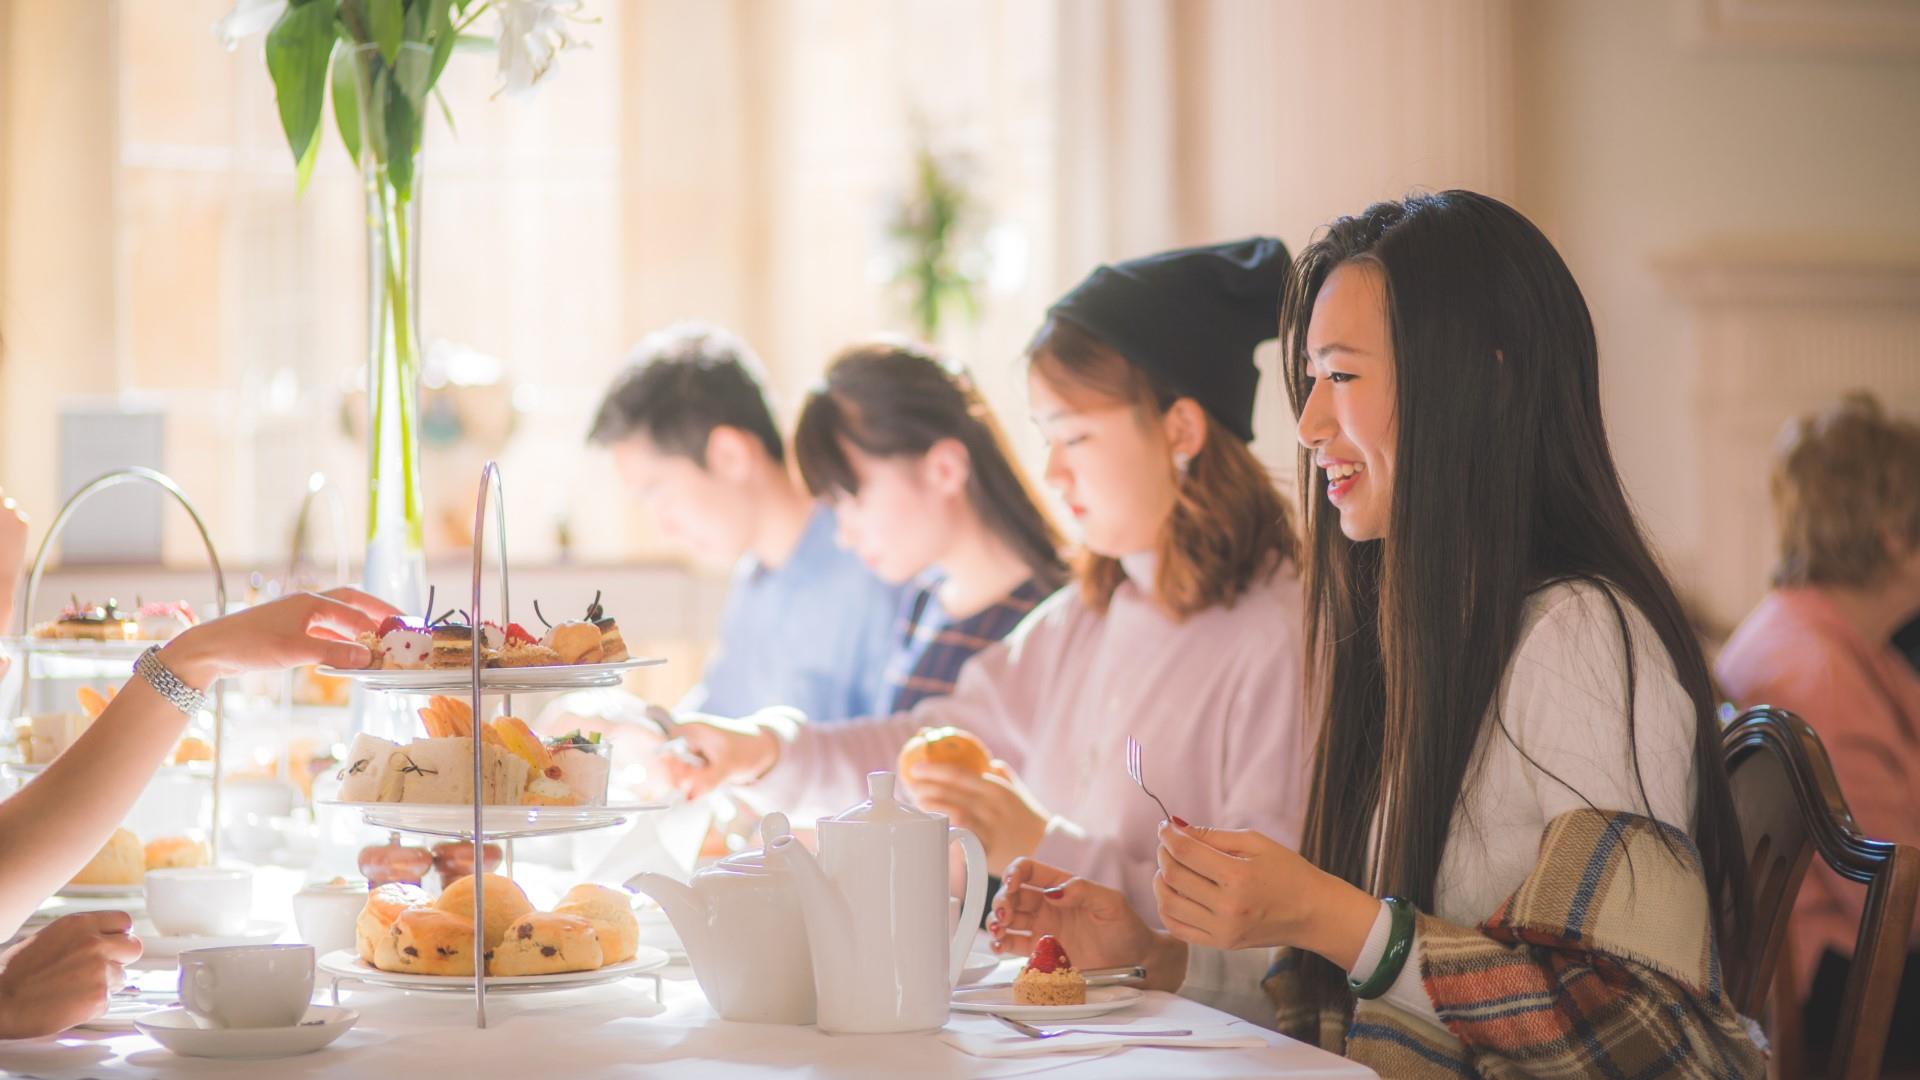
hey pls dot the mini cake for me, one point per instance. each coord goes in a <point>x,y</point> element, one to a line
<point>170,852</point>
<point>1049,978</point>
<point>582,761</point>
<point>505,903</point>
<point>365,776</point>
<point>384,904</point>
<point>160,622</point>
<point>611,913</point>
<point>575,642</point>
<point>89,622</point>
<point>613,647</point>
<point>121,862</point>
<point>452,646</point>
<point>192,748</point>
<point>428,941</point>
<point>542,944</point>
<point>403,646</point>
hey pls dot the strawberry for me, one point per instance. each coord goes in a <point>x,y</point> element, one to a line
<point>390,624</point>
<point>1048,956</point>
<point>517,635</point>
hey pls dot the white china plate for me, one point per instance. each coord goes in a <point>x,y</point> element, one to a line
<point>492,680</point>
<point>999,1000</point>
<point>499,822</point>
<point>158,946</point>
<point>100,892</point>
<point>201,770</point>
<point>83,648</point>
<point>980,964</point>
<point>178,1032</point>
<point>346,964</point>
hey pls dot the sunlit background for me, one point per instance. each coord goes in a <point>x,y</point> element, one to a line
<point>1732,181</point>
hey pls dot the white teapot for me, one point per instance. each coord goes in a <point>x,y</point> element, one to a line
<point>741,924</point>
<point>884,958</point>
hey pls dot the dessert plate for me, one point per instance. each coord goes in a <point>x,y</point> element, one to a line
<point>346,965</point>
<point>999,1000</point>
<point>492,680</point>
<point>500,822</point>
<point>100,892</point>
<point>178,1032</point>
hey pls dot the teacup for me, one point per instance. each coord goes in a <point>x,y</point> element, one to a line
<point>247,986</point>
<point>201,901</point>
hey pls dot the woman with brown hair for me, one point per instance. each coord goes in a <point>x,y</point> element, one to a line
<point>1181,629</point>
<point>1520,851</point>
<point>925,490</point>
<point>1846,502</point>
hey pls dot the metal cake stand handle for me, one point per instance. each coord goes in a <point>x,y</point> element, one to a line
<point>135,475</point>
<point>490,486</point>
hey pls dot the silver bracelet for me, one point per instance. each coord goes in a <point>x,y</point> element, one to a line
<point>168,685</point>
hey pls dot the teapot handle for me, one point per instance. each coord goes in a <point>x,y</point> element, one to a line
<point>976,900</point>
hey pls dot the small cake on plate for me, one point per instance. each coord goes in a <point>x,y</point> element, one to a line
<point>611,913</point>
<point>1049,978</point>
<point>427,941</point>
<point>123,861</point>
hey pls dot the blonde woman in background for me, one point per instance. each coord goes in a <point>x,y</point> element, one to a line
<point>1846,498</point>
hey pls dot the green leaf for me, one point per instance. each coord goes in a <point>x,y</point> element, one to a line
<point>298,49</point>
<point>389,26</point>
<point>440,33</point>
<point>403,138</point>
<point>446,113</point>
<point>346,100</point>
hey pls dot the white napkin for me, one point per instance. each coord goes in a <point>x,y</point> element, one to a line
<point>987,1037</point>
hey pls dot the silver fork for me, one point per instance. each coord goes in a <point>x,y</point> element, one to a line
<point>1032,1032</point>
<point>1133,770</point>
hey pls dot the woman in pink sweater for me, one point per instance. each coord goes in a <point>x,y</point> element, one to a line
<point>1846,495</point>
<point>1182,630</point>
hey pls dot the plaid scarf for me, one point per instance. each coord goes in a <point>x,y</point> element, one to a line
<point>1602,963</point>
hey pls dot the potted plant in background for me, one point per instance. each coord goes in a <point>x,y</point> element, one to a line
<point>380,62</point>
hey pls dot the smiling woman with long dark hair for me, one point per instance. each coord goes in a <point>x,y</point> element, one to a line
<point>1520,848</point>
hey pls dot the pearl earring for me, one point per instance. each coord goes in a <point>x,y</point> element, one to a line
<point>1180,463</point>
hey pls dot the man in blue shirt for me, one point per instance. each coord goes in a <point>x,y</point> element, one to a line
<point>806,624</point>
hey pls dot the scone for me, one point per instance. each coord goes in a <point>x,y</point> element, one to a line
<point>505,903</point>
<point>169,852</point>
<point>121,862</point>
<point>428,941</point>
<point>547,944</point>
<point>384,904</point>
<point>1049,978</point>
<point>611,913</point>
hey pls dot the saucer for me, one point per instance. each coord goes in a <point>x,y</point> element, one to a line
<point>176,1030</point>
<point>999,1000</point>
<point>159,946</point>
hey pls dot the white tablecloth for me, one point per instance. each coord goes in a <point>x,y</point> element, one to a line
<point>617,1030</point>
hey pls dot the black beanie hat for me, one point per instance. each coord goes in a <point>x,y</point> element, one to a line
<point>1192,317</point>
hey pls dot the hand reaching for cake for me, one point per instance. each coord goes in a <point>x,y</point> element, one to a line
<point>305,628</point>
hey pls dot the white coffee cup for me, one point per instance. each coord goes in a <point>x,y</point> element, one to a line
<point>200,901</point>
<point>247,986</point>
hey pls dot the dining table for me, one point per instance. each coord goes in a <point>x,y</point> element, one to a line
<point>661,1024</point>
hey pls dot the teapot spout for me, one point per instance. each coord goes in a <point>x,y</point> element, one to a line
<point>685,910</point>
<point>829,919</point>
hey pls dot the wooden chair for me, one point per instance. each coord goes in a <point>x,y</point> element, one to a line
<point>1790,806</point>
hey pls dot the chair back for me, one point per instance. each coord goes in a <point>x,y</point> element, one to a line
<point>1790,807</point>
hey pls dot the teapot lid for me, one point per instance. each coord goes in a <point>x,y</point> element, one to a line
<point>881,806</point>
<point>754,861</point>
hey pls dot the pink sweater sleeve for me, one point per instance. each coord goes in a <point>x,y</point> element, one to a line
<point>1255,777</point>
<point>822,767</point>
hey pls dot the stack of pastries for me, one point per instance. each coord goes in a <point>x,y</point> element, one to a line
<point>403,643</point>
<point>401,931</point>
<point>517,767</point>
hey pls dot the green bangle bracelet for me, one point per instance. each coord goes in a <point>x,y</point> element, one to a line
<point>1399,944</point>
